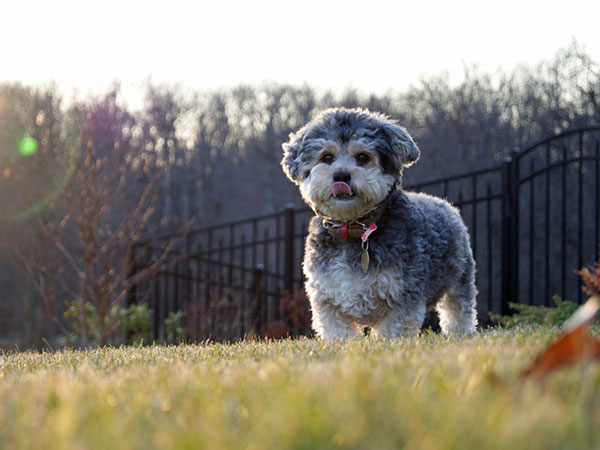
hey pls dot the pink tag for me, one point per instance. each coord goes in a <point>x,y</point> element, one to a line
<point>368,232</point>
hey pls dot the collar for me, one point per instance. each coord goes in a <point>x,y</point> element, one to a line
<point>359,228</point>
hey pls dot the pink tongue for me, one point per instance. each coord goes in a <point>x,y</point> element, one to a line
<point>340,188</point>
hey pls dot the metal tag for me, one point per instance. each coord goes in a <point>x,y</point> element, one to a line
<point>364,260</point>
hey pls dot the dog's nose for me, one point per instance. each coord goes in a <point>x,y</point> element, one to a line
<point>341,176</point>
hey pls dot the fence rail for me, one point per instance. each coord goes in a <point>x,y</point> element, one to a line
<point>533,220</point>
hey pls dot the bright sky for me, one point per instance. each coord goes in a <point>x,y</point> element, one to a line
<point>371,45</point>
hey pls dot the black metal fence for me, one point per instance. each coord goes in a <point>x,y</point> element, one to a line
<point>533,220</point>
<point>232,280</point>
<point>553,220</point>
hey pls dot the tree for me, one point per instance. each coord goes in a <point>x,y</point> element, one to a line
<point>88,231</point>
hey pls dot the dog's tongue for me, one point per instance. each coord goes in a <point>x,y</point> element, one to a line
<point>340,188</point>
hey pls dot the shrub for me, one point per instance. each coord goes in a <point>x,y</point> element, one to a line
<point>127,325</point>
<point>174,329</point>
<point>135,323</point>
<point>541,315</point>
<point>591,279</point>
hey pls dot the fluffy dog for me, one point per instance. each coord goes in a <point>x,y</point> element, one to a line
<point>376,256</point>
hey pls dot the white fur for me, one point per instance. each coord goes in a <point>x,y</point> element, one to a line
<point>343,302</point>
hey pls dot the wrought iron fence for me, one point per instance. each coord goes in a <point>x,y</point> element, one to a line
<point>232,280</point>
<point>553,226</point>
<point>533,220</point>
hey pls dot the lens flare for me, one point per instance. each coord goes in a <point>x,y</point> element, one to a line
<point>28,146</point>
<point>31,179</point>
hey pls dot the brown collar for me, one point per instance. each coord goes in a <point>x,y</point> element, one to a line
<point>357,228</point>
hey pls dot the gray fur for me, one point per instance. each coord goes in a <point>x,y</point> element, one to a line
<point>420,255</point>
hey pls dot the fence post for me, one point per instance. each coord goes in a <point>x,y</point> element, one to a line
<point>288,247</point>
<point>254,314</point>
<point>506,226</point>
<point>510,231</point>
<point>131,296</point>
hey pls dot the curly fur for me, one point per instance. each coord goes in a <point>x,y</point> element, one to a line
<point>420,255</point>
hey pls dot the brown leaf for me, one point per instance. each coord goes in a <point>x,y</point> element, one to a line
<point>572,347</point>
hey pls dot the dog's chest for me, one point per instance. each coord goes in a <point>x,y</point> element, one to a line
<point>365,296</point>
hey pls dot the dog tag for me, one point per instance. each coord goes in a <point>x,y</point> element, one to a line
<point>364,260</point>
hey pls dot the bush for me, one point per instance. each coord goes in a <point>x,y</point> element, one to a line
<point>174,329</point>
<point>127,325</point>
<point>541,315</point>
<point>135,322</point>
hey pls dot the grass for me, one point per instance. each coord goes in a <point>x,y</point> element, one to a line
<point>428,392</point>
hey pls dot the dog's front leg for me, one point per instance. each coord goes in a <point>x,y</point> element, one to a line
<point>404,321</point>
<point>329,322</point>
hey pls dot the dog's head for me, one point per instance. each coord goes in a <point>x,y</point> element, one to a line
<point>345,161</point>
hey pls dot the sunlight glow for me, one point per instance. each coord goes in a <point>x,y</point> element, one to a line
<point>385,45</point>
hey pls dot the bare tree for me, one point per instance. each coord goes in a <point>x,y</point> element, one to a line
<point>105,206</point>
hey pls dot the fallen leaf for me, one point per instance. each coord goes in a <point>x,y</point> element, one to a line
<point>575,345</point>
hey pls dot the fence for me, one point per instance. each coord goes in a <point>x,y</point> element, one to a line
<point>553,201</point>
<point>233,280</point>
<point>533,220</point>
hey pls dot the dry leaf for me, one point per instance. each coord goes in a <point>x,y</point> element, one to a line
<point>574,346</point>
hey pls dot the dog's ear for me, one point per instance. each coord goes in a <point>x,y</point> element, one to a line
<point>291,151</point>
<point>404,150</point>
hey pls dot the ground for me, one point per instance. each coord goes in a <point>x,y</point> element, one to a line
<point>428,392</point>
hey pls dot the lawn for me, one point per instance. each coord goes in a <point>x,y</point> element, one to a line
<point>429,392</point>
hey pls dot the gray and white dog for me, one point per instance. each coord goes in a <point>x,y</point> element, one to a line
<point>376,256</point>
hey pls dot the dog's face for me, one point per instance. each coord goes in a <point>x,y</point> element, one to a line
<point>346,161</point>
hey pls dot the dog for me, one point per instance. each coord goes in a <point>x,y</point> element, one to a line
<point>376,257</point>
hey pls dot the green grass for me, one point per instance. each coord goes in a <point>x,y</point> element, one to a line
<point>428,392</point>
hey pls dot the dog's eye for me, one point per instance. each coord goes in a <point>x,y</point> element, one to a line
<point>363,158</point>
<point>327,158</point>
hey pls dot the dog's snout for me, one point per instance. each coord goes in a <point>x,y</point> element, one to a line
<point>341,176</point>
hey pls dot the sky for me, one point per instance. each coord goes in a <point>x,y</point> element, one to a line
<point>369,45</point>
